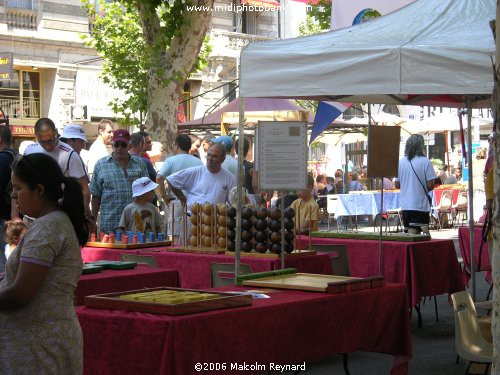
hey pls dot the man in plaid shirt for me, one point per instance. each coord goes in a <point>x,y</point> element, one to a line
<point>111,185</point>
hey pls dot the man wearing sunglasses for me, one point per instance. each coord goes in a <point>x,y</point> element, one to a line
<point>69,161</point>
<point>111,184</point>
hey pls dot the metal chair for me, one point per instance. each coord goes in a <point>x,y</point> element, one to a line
<point>140,259</point>
<point>222,274</point>
<point>444,207</point>
<point>338,257</point>
<point>469,341</point>
<point>394,214</point>
<point>331,204</point>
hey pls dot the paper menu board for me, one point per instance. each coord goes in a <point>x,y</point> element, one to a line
<point>282,155</point>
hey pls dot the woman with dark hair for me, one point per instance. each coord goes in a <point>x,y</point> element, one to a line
<point>415,179</point>
<point>39,330</point>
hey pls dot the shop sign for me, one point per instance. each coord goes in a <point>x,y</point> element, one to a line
<point>22,130</point>
<point>6,66</point>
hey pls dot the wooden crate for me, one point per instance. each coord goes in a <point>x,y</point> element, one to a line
<point>128,246</point>
<point>220,300</point>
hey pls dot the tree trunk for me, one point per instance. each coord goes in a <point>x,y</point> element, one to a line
<point>496,205</point>
<point>166,80</point>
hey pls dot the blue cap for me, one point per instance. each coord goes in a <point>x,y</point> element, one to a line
<point>225,140</point>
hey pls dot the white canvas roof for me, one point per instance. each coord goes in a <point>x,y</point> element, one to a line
<point>430,52</point>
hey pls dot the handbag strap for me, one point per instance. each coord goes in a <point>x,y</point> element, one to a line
<point>421,184</point>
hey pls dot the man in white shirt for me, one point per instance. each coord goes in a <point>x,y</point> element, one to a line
<point>210,183</point>
<point>68,159</point>
<point>99,148</point>
<point>230,163</point>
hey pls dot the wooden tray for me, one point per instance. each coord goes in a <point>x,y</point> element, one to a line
<point>129,246</point>
<point>403,237</point>
<point>113,301</point>
<point>196,250</point>
<point>299,281</point>
<point>295,253</point>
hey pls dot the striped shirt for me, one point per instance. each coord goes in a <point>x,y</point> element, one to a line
<point>113,184</point>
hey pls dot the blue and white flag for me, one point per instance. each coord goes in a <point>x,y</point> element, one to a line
<point>325,114</point>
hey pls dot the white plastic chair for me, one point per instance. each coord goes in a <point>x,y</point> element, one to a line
<point>469,341</point>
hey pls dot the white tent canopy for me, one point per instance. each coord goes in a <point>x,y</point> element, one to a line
<point>431,52</point>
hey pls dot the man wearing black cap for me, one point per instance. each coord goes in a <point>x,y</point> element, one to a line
<point>111,184</point>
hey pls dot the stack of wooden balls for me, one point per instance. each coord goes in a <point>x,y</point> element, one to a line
<point>247,229</point>
<point>221,225</point>
<point>208,225</point>
<point>261,232</point>
<point>231,228</point>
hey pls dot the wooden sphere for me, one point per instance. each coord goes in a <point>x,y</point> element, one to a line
<point>207,220</point>
<point>221,231</point>
<point>206,230</point>
<point>207,241</point>
<point>222,220</point>
<point>275,248</point>
<point>260,224</point>
<point>231,212</point>
<point>194,230</point>
<point>231,223</point>
<point>276,237</point>
<point>247,213</point>
<point>246,224</point>
<point>230,245</point>
<point>289,213</point>
<point>246,247</point>
<point>288,247</point>
<point>275,214</point>
<point>261,247</point>
<point>193,219</point>
<point>195,207</point>
<point>231,234</point>
<point>275,225</point>
<point>260,236</point>
<point>193,241</point>
<point>289,235</point>
<point>207,208</point>
<point>246,235</point>
<point>261,213</point>
<point>289,225</point>
<point>222,209</point>
<point>221,242</point>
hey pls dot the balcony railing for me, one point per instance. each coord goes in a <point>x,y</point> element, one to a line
<point>21,14</point>
<point>13,108</point>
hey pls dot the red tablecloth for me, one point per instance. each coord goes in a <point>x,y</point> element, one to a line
<point>194,269</point>
<point>428,268</point>
<point>464,244</point>
<point>113,281</point>
<point>289,328</point>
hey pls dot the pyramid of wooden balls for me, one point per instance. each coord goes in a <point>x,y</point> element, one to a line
<point>208,225</point>
<point>231,228</point>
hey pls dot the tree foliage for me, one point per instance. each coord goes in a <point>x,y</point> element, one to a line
<point>130,53</point>
<point>318,18</point>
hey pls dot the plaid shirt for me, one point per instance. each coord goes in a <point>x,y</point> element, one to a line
<point>113,184</point>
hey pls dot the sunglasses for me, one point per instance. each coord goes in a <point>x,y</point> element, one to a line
<point>48,141</point>
<point>120,145</point>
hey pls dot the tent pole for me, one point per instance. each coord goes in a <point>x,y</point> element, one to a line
<point>470,198</point>
<point>239,189</point>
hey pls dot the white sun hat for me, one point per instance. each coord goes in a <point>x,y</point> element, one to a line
<point>142,186</point>
<point>72,131</point>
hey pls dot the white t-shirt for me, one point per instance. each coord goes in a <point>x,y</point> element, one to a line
<point>67,158</point>
<point>203,186</point>
<point>231,164</point>
<point>413,196</point>
<point>97,151</point>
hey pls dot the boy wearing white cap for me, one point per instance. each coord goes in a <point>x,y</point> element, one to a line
<point>141,215</point>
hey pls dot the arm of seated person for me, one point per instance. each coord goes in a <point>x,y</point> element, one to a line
<point>29,279</point>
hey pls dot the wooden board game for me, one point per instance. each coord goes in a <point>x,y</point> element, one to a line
<point>128,246</point>
<point>295,253</point>
<point>196,250</point>
<point>403,237</point>
<point>290,279</point>
<point>168,301</point>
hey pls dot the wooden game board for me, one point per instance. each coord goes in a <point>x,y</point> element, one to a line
<point>294,253</point>
<point>290,279</point>
<point>129,246</point>
<point>404,237</point>
<point>196,250</point>
<point>168,301</point>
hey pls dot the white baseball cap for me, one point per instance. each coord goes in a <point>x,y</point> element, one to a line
<point>142,186</point>
<point>73,131</point>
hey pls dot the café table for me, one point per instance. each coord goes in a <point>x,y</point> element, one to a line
<point>194,268</point>
<point>427,268</point>
<point>464,244</point>
<point>365,203</point>
<point>290,327</point>
<point>114,281</point>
